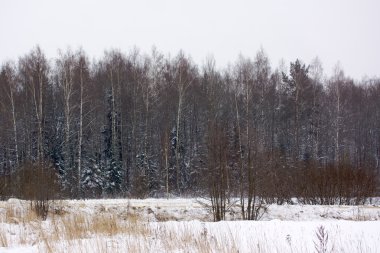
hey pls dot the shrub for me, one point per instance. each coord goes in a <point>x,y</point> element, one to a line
<point>37,182</point>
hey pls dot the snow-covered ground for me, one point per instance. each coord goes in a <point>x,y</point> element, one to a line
<point>185,225</point>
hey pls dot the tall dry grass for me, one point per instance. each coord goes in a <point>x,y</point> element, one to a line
<point>3,239</point>
<point>103,230</point>
<point>18,213</point>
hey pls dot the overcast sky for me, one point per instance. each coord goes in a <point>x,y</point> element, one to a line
<point>334,30</point>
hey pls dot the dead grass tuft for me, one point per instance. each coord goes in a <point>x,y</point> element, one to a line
<point>73,226</point>
<point>3,239</point>
<point>106,225</point>
<point>19,214</point>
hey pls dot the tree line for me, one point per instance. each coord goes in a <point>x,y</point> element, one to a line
<point>140,124</point>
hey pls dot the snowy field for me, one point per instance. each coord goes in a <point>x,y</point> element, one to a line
<point>185,225</point>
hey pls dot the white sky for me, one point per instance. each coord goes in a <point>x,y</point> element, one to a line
<point>334,30</point>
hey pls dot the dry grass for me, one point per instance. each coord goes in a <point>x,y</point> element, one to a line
<point>48,243</point>
<point>104,230</point>
<point>108,230</point>
<point>62,225</point>
<point>3,239</point>
<point>83,226</point>
<point>18,212</point>
<point>162,217</point>
<point>94,233</point>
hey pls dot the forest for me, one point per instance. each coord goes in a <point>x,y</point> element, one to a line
<point>152,125</point>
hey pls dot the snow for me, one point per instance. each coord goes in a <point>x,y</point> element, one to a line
<point>184,225</point>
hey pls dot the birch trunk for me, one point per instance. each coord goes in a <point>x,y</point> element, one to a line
<point>80,134</point>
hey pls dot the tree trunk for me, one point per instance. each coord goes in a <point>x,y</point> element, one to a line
<point>80,134</point>
<point>14,125</point>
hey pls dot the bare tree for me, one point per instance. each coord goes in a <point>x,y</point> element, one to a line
<point>82,68</point>
<point>316,73</point>
<point>9,89</point>
<point>65,65</point>
<point>35,70</point>
<point>336,86</point>
<point>184,77</point>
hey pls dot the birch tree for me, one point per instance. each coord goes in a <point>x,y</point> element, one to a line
<point>336,89</point>
<point>184,76</point>
<point>82,71</point>
<point>8,102</point>
<point>34,71</point>
<point>65,67</point>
